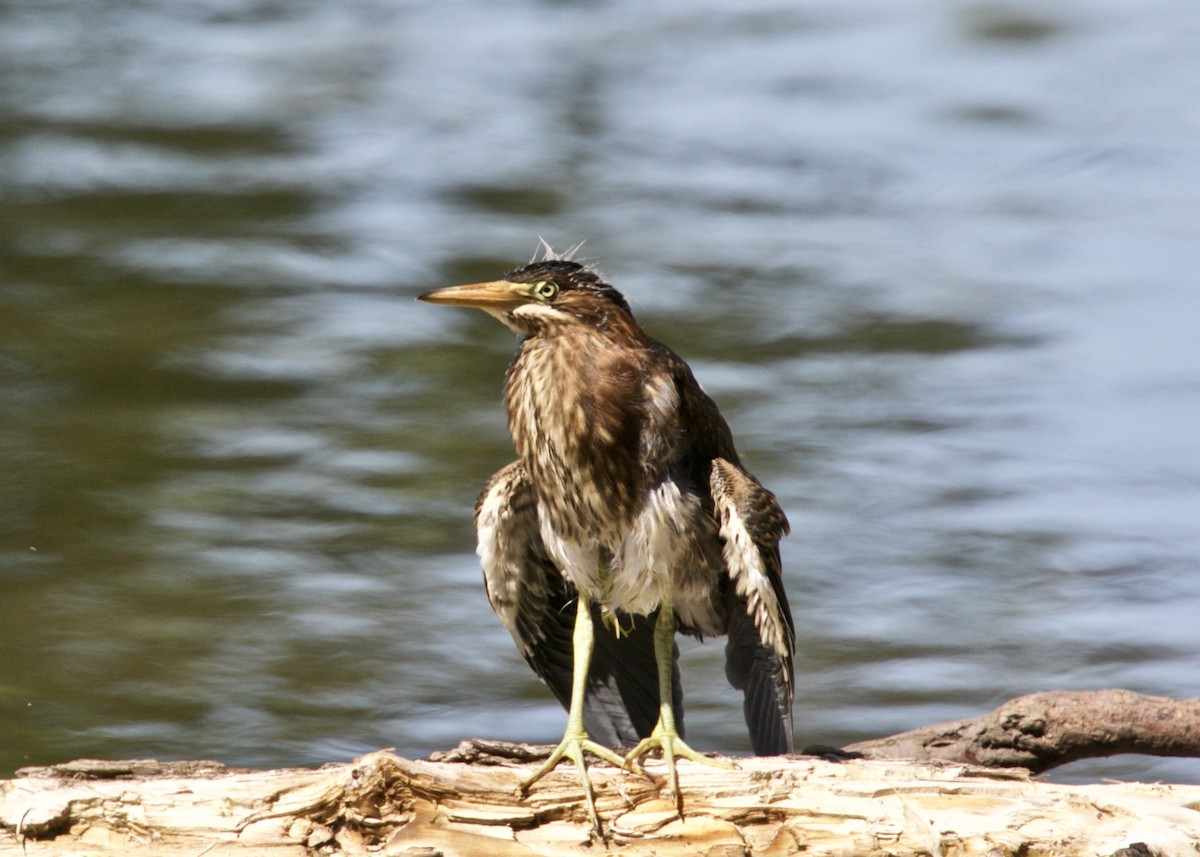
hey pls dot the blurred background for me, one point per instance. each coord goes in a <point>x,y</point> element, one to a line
<point>935,260</point>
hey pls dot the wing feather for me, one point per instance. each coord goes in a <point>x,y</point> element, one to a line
<point>762,638</point>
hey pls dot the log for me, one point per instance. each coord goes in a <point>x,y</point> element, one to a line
<point>384,804</point>
<point>1044,730</point>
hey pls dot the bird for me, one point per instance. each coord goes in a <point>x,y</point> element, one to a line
<point>626,517</point>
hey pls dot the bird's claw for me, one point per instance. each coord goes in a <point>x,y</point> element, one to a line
<point>573,746</point>
<point>672,747</point>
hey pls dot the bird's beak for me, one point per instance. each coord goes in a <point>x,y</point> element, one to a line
<point>499,295</point>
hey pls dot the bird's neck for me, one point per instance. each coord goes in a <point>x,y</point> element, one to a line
<point>575,403</point>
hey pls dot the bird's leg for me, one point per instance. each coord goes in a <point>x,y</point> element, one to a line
<point>575,740</point>
<point>665,735</point>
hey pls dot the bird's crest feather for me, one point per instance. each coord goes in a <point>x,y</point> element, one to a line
<point>548,254</point>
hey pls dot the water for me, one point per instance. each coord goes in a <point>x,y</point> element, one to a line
<point>935,262</point>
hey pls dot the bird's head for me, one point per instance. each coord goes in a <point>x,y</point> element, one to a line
<point>540,296</point>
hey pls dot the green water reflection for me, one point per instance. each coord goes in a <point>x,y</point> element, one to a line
<point>237,460</point>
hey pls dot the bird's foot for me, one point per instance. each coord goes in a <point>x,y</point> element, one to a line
<point>573,745</point>
<point>672,746</point>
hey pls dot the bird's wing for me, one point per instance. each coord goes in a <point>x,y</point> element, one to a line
<point>762,638</point>
<point>537,606</point>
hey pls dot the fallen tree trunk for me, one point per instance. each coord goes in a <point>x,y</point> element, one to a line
<point>1044,730</point>
<point>468,803</point>
<point>384,804</point>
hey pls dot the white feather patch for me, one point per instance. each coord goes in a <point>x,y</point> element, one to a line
<point>668,549</point>
<point>746,567</point>
<point>501,566</point>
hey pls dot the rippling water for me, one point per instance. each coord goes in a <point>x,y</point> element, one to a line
<point>936,262</point>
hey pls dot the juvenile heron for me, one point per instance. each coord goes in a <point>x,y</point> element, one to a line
<point>627,503</point>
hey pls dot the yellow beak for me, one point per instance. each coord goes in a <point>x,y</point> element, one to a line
<point>498,295</point>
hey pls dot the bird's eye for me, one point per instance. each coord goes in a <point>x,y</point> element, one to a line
<point>545,290</point>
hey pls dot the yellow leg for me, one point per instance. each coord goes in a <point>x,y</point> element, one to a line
<point>665,735</point>
<point>575,740</point>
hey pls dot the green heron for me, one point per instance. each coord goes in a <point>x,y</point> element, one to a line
<point>627,503</point>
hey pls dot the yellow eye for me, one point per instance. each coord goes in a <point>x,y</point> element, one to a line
<point>545,290</point>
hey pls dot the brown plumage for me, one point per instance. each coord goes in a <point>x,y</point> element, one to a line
<point>627,500</point>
